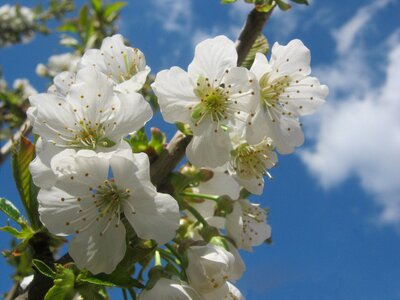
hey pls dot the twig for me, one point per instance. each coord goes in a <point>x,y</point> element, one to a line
<point>24,129</point>
<point>254,25</point>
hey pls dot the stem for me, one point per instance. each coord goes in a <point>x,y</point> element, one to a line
<point>24,129</point>
<point>157,258</point>
<point>197,215</point>
<point>203,196</point>
<point>124,294</point>
<point>174,252</point>
<point>168,255</point>
<point>254,25</point>
<point>132,293</point>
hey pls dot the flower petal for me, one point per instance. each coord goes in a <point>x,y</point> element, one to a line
<point>174,90</point>
<point>212,57</point>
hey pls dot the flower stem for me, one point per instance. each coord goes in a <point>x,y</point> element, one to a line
<point>202,196</point>
<point>197,215</point>
<point>157,258</point>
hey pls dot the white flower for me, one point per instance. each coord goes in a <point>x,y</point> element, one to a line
<point>89,116</point>
<point>214,97</point>
<point>126,66</point>
<point>59,63</point>
<point>227,292</point>
<point>87,203</point>
<point>170,289</point>
<point>249,163</point>
<point>286,92</point>
<point>209,267</point>
<point>246,225</point>
<point>25,87</point>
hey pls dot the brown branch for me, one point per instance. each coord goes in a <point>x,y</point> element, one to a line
<point>252,29</point>
<point>24,129</point>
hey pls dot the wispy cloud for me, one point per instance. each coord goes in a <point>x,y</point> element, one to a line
<point>346,35</point>
<point>359,130</point>
<point>174,15</point>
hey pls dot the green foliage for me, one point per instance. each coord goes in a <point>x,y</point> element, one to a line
<point>260,46</point>
<point>22,154</point>
<point>64,282</point>
<point>94,22</point>
<point>10,210</point>
<point>43,268</point>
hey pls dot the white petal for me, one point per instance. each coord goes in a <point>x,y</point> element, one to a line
<point>292,59</point>
<point>174,90</point>
<point>210,149</point>
<point>304,96</point>
<point>133,113</point>
<point>56,209</point>
<point>220,184</point>
<point>40,168</point>
<point>260,66</point>
<point>170,289</point>
<point>155,218</point>
<point>99,253</point>
<point>253,185</point>
<point>212,57</point>
<point>135,83</point>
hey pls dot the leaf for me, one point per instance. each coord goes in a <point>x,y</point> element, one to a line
<point>158,140</point>
<point>260,46</point>
<point>118,278</point>
<point>9,209</point>
<point>112,10</point>
<point>96,4</point>
<point>22,155</point>
<point>283,5</point>
<point>227,1</point>
<point>25,234</point>
<point>63,288</point>
<point>301,1</point>
<point>43,268</point>
<point>139,141</point>
<point>68,27</point>
<point>97,281</point>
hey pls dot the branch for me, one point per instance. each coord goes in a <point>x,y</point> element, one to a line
<point>24,129</point>
<point>252,29</point>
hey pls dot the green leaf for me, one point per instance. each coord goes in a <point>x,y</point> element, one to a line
<point>83,17</point>
<point>96,4</point>
<point>112,10</point>
<point>260,46</point>
<point>301,1</point>
<point>158,140</point>
<point>63,288</point>
<point>118,278</point>
<point>227,1</point>
<point>9,209</point>
<point>139,141</point>
<point>283,5</point>
<point>22,155</point>
<point>43,268</point>
<point>25,234</point>
<point>97,281</point>
<point>68,27</point>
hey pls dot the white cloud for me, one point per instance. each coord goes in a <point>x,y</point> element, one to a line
<point>174,15</point>
<point>359,130</point>
<point>346,35</point>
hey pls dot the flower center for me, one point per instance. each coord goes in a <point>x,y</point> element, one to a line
<point>253,160</point>
<point>90,136</point>
<point>109,197</point>
<point>131,67</point>
<point>213,103</point>
<point>271,90</point>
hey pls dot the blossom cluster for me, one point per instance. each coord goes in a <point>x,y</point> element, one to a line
<point>16,24</point>
<point>95,188</point>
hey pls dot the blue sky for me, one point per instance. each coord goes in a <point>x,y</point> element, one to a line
<point>335,205</point>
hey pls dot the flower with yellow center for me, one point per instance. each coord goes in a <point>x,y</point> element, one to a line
<point>215,97</point>
<point>86,202</point>
<point>286,93</point>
